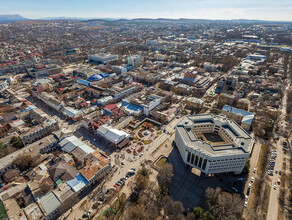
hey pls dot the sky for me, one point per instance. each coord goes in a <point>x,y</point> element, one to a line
<point>276,10</point>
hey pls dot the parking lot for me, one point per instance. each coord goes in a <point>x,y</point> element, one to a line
<point>189,188</point>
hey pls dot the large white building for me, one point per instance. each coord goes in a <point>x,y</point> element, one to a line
<point>134,60</point>
<point>102,58</point>
<point>113,135</point>
<point>213,143</point>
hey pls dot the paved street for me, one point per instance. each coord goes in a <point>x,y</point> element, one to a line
<point>274,202</point>
<point>123,170</point>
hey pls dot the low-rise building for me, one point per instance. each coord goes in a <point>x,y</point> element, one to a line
<point>242,117</point>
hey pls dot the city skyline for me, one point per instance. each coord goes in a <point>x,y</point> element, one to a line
<point>201,9</point>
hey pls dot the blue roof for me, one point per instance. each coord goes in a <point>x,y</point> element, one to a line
<point>77,183</point>
<point>83,82</point>
<point>131,106</point>
<point>247,116</point>
<point>28,108</point>
<point>191,80</point>
<point>103,75</point>
<point>94,77</point>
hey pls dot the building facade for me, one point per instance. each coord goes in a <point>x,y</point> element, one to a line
<point>213,144</point>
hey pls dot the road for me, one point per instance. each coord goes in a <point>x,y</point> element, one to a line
<point>123,170</point>
<point>274,202</point>
<point>253,162</point>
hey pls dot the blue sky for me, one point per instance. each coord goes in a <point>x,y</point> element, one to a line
<point>280,10</point>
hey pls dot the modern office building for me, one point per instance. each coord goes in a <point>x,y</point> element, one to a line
<point>213,143</point>
<point>134,60</point>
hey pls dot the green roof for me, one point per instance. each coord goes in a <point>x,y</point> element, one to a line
<point>58,182</point>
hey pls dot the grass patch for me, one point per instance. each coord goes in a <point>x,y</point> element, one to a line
<point>262,162</point>
<point>254,193</point>
<point>257,185</point>
<point>3,213</point>
<point>161,162</point>
<point>266,199</point>
<point>147,142</point>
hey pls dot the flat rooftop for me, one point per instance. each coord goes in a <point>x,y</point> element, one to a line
<point>242,142</point>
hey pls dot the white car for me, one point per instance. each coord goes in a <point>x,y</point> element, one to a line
<point>249,185</point>
<point>245,204</point>
<point>254,170</point>
<point>252,179</point>
<point>246,197</point>
<point>275,186</point>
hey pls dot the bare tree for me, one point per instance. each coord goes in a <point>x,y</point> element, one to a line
<point>23,162</point>
<point>165,174</point>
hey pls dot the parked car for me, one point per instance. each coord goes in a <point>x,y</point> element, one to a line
<point>280,173</point>
<point>276,171</point>
<point>245,204</point>
<point>249,185</point>
<point>279,181</point>
<point>248,191</point>
<point>252,179</point>
<point>275,186</point>
<point>240,179</point>
<point>254,170</point>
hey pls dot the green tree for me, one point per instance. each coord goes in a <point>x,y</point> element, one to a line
<point>16,142</point>
<point>201,214</point>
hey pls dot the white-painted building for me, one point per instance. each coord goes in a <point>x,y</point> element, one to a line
<point>102,58</point>
<point>213,143</point>
<point>113,135</point>
<point>3,84</point>
<point>134,60</point>
<point>152,102</point>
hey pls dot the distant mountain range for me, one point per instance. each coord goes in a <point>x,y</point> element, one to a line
<point>11,18</point>
<point>115,21</point>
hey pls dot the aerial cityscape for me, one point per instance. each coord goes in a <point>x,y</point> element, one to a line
<point>178,110</point>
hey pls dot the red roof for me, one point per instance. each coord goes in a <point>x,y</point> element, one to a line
<point>111,107</point>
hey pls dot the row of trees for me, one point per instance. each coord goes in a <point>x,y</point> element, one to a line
<point>14,145</point>
<point>149,200</point>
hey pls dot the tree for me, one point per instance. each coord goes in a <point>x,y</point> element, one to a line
<point>211,195</point>
<point>165,174</point>
<point>44,186</point>
<point>16,142</point>
<point>223,205</point>
<point>173,210</point>
<point>200,213</point>
<point>142,178</point>
<point>23,162</point>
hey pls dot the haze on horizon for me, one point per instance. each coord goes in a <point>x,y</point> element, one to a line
<point>280,10</point>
